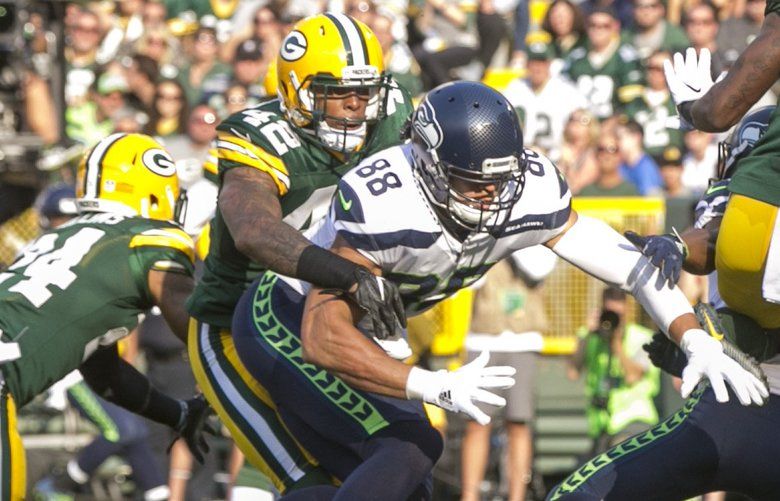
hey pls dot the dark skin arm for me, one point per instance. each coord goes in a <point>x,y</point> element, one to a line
<point>754,72</point>
<point>249,201</point>
<point>170,291</point>
<point>331,341</point>
<point>701,248</point>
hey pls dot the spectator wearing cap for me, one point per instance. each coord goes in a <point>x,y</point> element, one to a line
<point>565,23</point>
<point>651,32</point>
<point>205,74</point>
<point>622,9</point>
<point>93,120</point>
<point>654,107</point>
<point>636,165</point>
<point>265,26</point>
<point>736,33</point>
<point>671,167</point>
<point>607,71</point>
<point>609,181</point>
<point>249,66</point>
<point>700,160</point>
<point>702,25</point>
<point>544,102</point>
<point>398,58</point>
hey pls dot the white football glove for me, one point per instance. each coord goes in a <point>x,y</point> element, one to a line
<point>458,390</point>
<point>706,358</point>
<point>688,79</point>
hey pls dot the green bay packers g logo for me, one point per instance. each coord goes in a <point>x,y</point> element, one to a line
<point>294,46</point>
<point>159,162</point>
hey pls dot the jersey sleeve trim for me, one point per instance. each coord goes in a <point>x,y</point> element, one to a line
<point>173,238</point>
<point>412,239</point>
<point>532,222</point>
<point>243,152</point>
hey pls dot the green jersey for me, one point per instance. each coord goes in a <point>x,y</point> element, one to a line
<point>305,174</point>
<point>651,112</point>
<point>758,175</point>
<point>79,287</point>
<point>608,85</point>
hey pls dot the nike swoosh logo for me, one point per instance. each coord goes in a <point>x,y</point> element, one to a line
<point>713,189</point>
<point>345,204</point>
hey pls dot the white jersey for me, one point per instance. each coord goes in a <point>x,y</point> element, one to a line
<point>380,210</point>
<point>545,113</point>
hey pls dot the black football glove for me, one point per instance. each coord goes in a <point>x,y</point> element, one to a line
<point>666,355</point>
<point>666,252</point>
<point>192,426</point>
<point>381,301</point>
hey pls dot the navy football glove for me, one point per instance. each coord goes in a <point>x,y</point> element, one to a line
<point>192,425</point>
<point>667,252</point>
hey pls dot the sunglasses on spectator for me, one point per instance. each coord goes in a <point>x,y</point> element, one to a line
<point>236,99</point>
<point>655,67</point>
<point>612,149</point>
<point>206,38</point>
<point>86,28</point>
<point>169,97</point>
<point>599,26</point>
<point>700,21</point>
<point>582,119</point>
<point>651,5</point>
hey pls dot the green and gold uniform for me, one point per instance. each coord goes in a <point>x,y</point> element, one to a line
<point>611,86</point>
<point>745,254</point>
<point>306,175</point>
<point>75,289</point>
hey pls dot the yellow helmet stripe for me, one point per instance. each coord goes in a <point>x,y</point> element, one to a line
<point>95,163</point>
<point>351,37</point>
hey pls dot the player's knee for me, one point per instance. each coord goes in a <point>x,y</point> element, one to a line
<point>421,443</point>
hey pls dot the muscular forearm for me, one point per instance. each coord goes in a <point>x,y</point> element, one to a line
<point>251,209</point>
<point>331,342</point>
<point>701,250</point>
<point>754,72</point>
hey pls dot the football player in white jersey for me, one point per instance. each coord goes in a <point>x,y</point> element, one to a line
<point>432,216</point>
<point>544,101</point>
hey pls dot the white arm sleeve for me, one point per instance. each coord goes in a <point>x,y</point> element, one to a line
<point>594,247</point>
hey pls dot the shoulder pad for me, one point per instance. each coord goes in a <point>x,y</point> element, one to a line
<point>170,237</point>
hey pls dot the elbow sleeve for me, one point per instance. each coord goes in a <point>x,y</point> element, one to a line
<point>597,249</point>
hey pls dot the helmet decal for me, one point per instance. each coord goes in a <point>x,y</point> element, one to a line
<point>351,37</point>
<point>427,127</point>
<point>159,162</point>
<point>294,46</point>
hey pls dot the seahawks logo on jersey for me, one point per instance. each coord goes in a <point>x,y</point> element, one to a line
<point>294,46</point>
<point>427,127</point>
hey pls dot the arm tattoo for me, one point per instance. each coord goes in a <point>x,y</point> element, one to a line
<point>250,206</point>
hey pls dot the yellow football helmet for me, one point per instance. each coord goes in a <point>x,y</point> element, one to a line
<point>323,57</point>
<point>129,174</point>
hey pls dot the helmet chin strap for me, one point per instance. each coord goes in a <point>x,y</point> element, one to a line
<point>345,141</point>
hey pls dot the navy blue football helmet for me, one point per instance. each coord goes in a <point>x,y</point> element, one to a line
<point>742,140</point>
<point>58,200</point>
<point>468,153</point>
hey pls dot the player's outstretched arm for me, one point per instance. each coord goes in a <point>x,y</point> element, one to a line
<point>597,249</point>
<point>249,202</point>
<point>754,72</point>
<point>170,290</point>
<point>331,341</point>
<point>117,381</point>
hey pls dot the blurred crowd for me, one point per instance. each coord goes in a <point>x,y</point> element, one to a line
<point>586,77</point>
